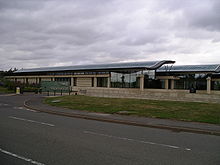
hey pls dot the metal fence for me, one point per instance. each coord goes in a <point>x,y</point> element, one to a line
<point>54,87</point>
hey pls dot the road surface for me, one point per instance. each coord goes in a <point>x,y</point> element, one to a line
<point>30,137</point>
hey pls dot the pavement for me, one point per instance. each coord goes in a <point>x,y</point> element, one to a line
<point>36,103</point>
<point>7,94</point>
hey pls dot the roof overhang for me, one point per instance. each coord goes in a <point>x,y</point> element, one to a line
<point>212,68</point>
<point>132,66</point>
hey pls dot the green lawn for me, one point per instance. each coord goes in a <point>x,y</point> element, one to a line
<point>5,90</point>
<point>187,111</point>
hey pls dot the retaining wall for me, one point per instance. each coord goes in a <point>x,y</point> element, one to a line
<point>154,94</point>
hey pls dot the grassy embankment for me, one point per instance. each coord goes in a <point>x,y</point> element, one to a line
<point>187,111</point>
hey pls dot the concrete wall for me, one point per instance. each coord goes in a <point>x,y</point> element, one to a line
<point>153,94</point>
<point>84,83</point>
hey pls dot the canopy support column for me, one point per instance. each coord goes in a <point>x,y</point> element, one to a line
<point>208,85</point>
<point>141,82</point>
<point>95,81</point>
<point>109,82</point>
<point>172,84</point>
<point>166,84</point>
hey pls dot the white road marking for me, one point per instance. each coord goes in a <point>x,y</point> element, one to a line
<point>32,121</point>
<point>138,141</point>
<point>21,157</point>
<point>30,110</point>
<point>23,108</point>
<point>3,104</point>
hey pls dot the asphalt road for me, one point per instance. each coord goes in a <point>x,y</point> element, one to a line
<point>29,137</point>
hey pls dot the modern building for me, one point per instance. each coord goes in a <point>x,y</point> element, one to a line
<point>151,79</point>
<point>200,77</point>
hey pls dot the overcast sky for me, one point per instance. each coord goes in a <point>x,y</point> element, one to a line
<point>40,33</point>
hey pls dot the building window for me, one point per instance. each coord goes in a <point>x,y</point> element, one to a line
<point>102,81</point>
<point>153,84</point>
<point>187,81</point>
<point>120,80</point>
<point>179,84</point>
<point>63,79</point>
<point>215,85</point>
<point>92,81</point>
<point>74,81</point>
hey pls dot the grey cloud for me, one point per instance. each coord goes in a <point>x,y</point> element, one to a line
<point>201,14</point>
<point>20,4</point>
<point>205,16</point>
<point>151,36</point>
<point>52,32</point>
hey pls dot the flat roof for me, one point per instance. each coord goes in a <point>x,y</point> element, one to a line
<point>191,68</point>
<point>151,65</point>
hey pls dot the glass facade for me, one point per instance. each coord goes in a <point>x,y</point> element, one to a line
<point>63,79</point>
<point>154,84</point>
<point>74,81</point>
<point>151,82</point>
<point>121,80</point>
<point>187,81</point>
<point>215,85</point>
<point>102,81</point>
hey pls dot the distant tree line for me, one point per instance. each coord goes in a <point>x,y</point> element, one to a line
<point>7,73</point>
<point>11,85</point>
<point>4,82</point>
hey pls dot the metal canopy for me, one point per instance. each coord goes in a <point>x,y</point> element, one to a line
<point>151,65</point>
<point>191,68</point>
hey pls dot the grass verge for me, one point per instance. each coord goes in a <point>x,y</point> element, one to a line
<point>5,90</point>
<point>187,111</point>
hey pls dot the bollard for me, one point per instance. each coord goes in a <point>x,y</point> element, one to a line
<point>54,93</point>
<point>48,93</point>
<point>18,91</point>
<point>61,92</point>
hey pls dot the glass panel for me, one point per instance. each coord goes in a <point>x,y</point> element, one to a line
<point>102,81</point>
<point>151,82</point>
<point>150,73</point>
<point>215,85</point>
<point>120,80</point>
<point>74,81</point>
<point>63,79</point>
<point>187,81</point>
<point>179,84</point>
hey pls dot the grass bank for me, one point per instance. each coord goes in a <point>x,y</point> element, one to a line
<point>187,111</point>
